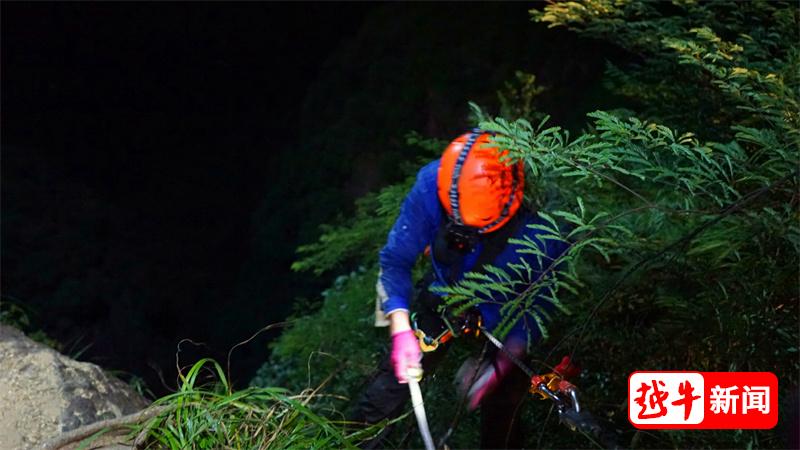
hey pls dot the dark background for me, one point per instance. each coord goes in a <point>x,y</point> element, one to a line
<point>161,162</point>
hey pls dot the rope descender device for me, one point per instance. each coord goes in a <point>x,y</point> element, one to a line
<point>470,325</point>
<point>555,387</point>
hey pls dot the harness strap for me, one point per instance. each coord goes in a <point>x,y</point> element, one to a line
<point>494,243</point>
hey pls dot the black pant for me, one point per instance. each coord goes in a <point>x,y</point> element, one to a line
<point>385,398</point>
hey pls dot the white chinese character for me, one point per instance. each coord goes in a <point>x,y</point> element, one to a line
<point>757,398</point>
<point>722,400</point>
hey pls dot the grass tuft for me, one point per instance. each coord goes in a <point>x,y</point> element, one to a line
<point>213,416</point>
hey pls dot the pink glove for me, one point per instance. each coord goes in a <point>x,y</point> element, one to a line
<point>405,354</point>
<point>492,374</point>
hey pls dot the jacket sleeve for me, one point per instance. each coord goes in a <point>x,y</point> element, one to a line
<point>409,236</point>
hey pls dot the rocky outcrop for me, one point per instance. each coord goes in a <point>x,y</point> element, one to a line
<point>44,393</point>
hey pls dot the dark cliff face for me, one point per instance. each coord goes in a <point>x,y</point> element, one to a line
<point>136,144</point>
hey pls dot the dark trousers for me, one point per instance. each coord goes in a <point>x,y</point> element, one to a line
<point>385,398</point>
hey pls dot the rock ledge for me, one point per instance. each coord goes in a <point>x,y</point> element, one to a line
<point>44,393</point>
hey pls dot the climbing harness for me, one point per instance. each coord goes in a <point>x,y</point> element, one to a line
<point>467,325</point>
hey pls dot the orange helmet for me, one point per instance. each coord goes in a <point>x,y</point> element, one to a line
<point>475,187</point>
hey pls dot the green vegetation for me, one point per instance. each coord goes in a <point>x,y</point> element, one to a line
<point>212,416</point>
<point>682,213</point>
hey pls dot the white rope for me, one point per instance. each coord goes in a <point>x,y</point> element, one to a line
<point>414,375</point>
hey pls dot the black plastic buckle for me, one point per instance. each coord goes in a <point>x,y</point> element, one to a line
<point>461,238</point>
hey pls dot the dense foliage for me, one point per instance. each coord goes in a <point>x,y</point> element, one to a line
<point>680,212</point>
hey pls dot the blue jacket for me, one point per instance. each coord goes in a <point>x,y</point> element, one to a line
<point>416,227</point>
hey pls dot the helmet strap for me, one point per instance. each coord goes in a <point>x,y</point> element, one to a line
<point>462,157</point>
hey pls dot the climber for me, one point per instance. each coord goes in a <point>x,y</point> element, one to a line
<point>462,210</point>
